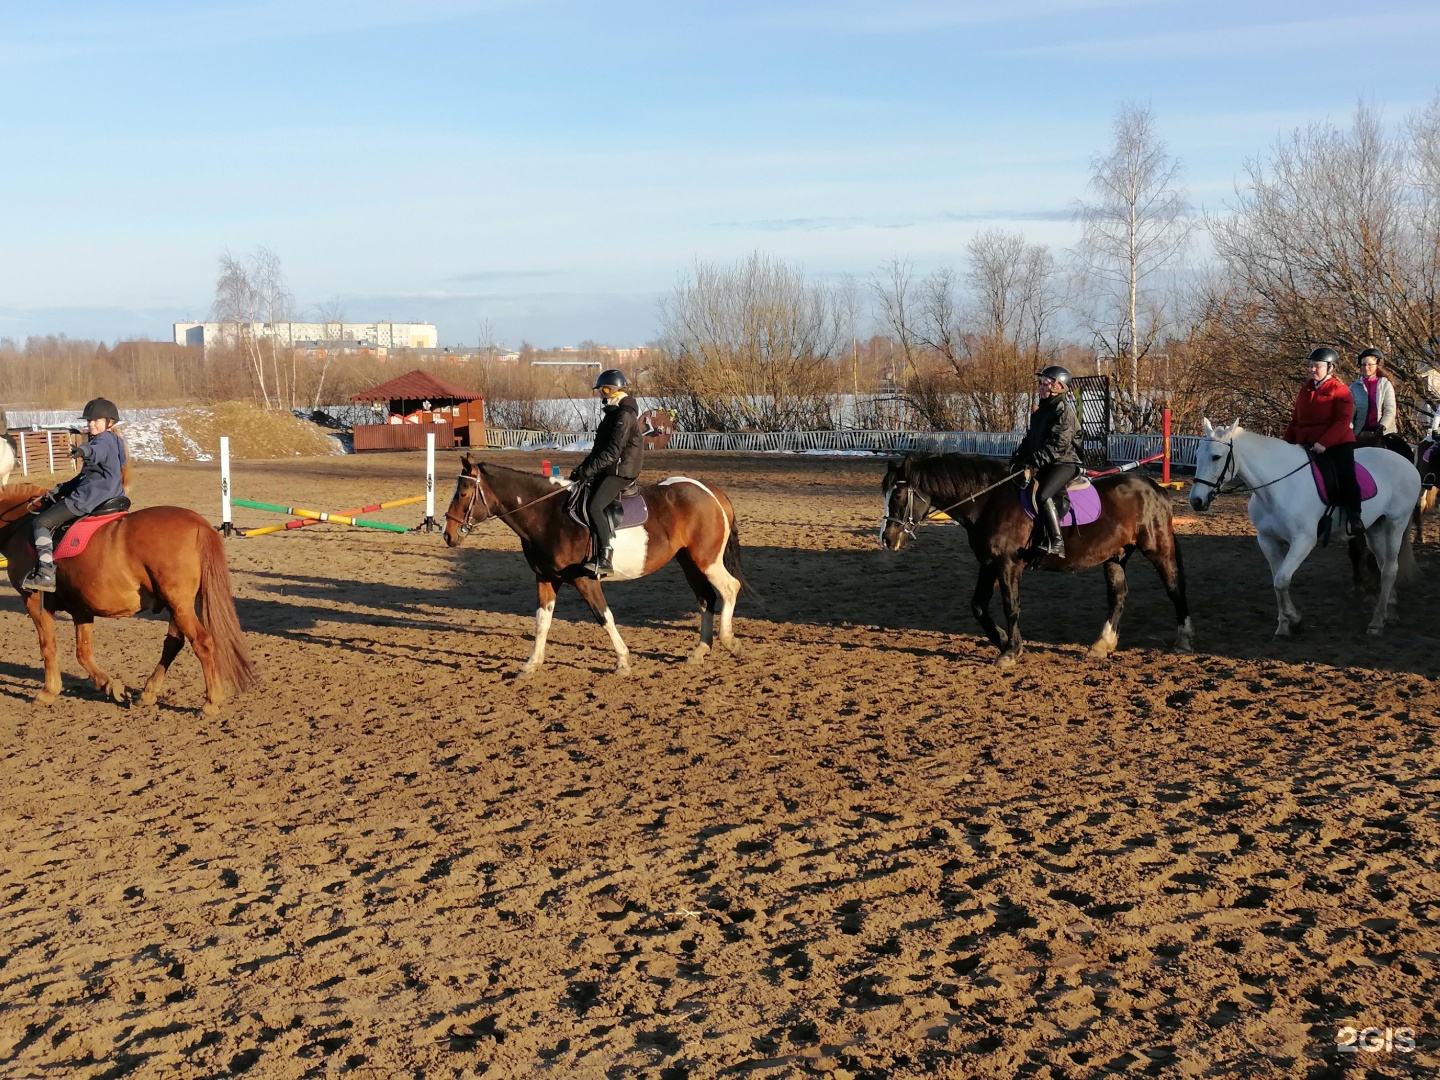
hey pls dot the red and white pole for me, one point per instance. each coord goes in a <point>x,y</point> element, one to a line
<point>1165,444</point>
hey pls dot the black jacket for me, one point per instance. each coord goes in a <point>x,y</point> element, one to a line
<point>1054,435</point>
<point>619,444</point>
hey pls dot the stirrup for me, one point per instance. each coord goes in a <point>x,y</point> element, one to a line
<point>35,581</point>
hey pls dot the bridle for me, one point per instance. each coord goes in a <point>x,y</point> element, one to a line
<point>908,522</point>
<point>1231,471</point>
<point>466,525</point>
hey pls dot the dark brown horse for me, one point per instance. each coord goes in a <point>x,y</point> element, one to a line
<point>690,522</point>
<point>978,493</point>
<point>161,558</point>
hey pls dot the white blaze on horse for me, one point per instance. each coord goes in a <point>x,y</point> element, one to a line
<point>690,522</point>
<point>1286,508</point>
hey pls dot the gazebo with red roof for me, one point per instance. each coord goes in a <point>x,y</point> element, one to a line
<point>415,403</point>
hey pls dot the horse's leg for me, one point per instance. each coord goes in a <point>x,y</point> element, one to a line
<point>1284,563</point>
<point>1163,552</point>
<point>1386,541</point>
<point>85,653</point>
<point>1010,572</point>
<point>980,605</point>
<point>728,590</point>
<point>49,652</point>
<point>544,612</point>
<point>183,618</point>
<point>706,594</point>
<point>1116,589</point>
<point>174,642</point>
<point>590,590</point>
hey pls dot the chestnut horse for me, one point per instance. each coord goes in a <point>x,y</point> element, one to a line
<point>162,557</point>
<point>980,494</point>
<point>690,522</point>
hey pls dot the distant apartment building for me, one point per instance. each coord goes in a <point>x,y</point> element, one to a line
<point>360,337</point>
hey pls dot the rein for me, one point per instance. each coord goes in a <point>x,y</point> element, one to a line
<point>908,522</point>
<point>1218,485</point>
<point>465,526</point>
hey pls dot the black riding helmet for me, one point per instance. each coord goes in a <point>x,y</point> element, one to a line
<point>1366,353</point>
<point>1323,355</point>
<point>100,409</point>
<point>1055,371</point>
<point>612,377</point>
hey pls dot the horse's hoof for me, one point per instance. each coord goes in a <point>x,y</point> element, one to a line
<point>698,654</point>
<point>1097,652</point>
<point>147,698</point>
<point>210,709</point>
<point>44,697</point>
<point>117,691</point>
<point>622,668</point>
<point>526,672</point>
<point>731,645</point>
<point>1183,647</point>
<point>1374,631</point>
<point>1005,661</point>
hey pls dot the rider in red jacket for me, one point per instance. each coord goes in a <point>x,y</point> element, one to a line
<point>1320,422</point>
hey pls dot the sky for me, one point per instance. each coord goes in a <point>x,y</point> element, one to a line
<point>554,169</point>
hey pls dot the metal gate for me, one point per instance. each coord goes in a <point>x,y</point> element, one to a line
<point>1093,404</point>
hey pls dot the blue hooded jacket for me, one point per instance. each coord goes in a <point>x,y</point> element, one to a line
<point>99,479</point>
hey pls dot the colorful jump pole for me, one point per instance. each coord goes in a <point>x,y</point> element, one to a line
<point>307,522</point>
<point>227,527</point>
<point>1165,444</point>
<point>319,515</point>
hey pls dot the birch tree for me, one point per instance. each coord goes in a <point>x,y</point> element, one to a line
<point>1136,224</point>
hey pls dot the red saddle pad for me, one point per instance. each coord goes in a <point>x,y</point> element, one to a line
<point>78,535</point>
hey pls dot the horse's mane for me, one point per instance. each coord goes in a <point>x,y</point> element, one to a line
<point>947,478</point>
<point>13,498</point>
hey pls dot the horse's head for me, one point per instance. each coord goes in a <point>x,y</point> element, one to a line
<point>1214,463</point>
<point>471,503</point>
<point>905,507</point>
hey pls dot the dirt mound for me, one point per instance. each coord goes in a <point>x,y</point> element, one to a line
<point>193,434</point>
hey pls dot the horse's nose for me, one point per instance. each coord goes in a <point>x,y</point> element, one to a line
<point>1197,503</point>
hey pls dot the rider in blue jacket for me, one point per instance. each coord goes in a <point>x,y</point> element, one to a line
<point>97,482</point>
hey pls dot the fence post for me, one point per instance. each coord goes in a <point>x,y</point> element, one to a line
<point>24,454</point>
<point>1165,445</point>
<point>226,528</point>
<point>50,448</point>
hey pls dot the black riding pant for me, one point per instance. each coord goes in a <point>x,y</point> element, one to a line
<point>602,493</point>
<point>1347,491</point>
<point>1051,479</point>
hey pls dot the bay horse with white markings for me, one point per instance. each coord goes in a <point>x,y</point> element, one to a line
<point>979,493</point>
<point>161,558</point>
<point>688,521</point>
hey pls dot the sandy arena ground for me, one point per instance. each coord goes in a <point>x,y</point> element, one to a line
<point>859,850</point>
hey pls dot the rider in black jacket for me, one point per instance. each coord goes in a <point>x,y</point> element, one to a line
<point>1050,452</point>
<point>611,466</point>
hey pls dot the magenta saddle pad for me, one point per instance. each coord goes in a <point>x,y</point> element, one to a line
<point>1362,477</point>
<point>1084,505</point>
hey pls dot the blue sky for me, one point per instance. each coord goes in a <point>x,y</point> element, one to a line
<point>556,167</point>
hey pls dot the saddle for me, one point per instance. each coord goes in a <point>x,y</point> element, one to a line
<point>1078,504</point>
<point>626,512</point>
<point>74,536</point>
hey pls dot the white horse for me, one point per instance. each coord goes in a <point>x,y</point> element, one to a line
<point>1286,508</point>
<point>7,459</point>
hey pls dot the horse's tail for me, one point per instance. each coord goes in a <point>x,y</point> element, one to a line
<point>125,467</point>
<point>731,558</point>
<point>217,613</point>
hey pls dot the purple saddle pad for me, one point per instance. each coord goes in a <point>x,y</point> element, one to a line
<point>1084,505</point>
<point>1362,477</point>
<point>633,511</point>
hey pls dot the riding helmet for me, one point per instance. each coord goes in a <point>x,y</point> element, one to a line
<point>612,377</point>
<point>1055,371</point>
<point>1323,355</point>
<point>100,409</point>
<point>1371,352</point>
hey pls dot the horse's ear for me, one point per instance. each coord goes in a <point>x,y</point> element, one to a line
<point>1207,427</point>
<point>466,463</point>
<point>1235,427</point>
<point>904,467</point>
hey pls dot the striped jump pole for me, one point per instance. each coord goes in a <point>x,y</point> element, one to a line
<point>304,523</point>
<point>319,515</point>
<point>429,524</point>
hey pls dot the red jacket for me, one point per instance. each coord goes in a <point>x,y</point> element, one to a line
<point>1322,414</point>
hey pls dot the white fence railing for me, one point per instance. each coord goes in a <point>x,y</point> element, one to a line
<point>1122,448</point>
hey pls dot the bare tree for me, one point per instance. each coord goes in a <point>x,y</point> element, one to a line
<point>237,309</point>
<point>1136,224</point>
<point>332,317</point>
<point>752,346</point>
<point>1335,238</point>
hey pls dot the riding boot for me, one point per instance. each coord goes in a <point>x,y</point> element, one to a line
<point>1051,542</point>
<point>599,564</point>
<point>1354,523</point>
